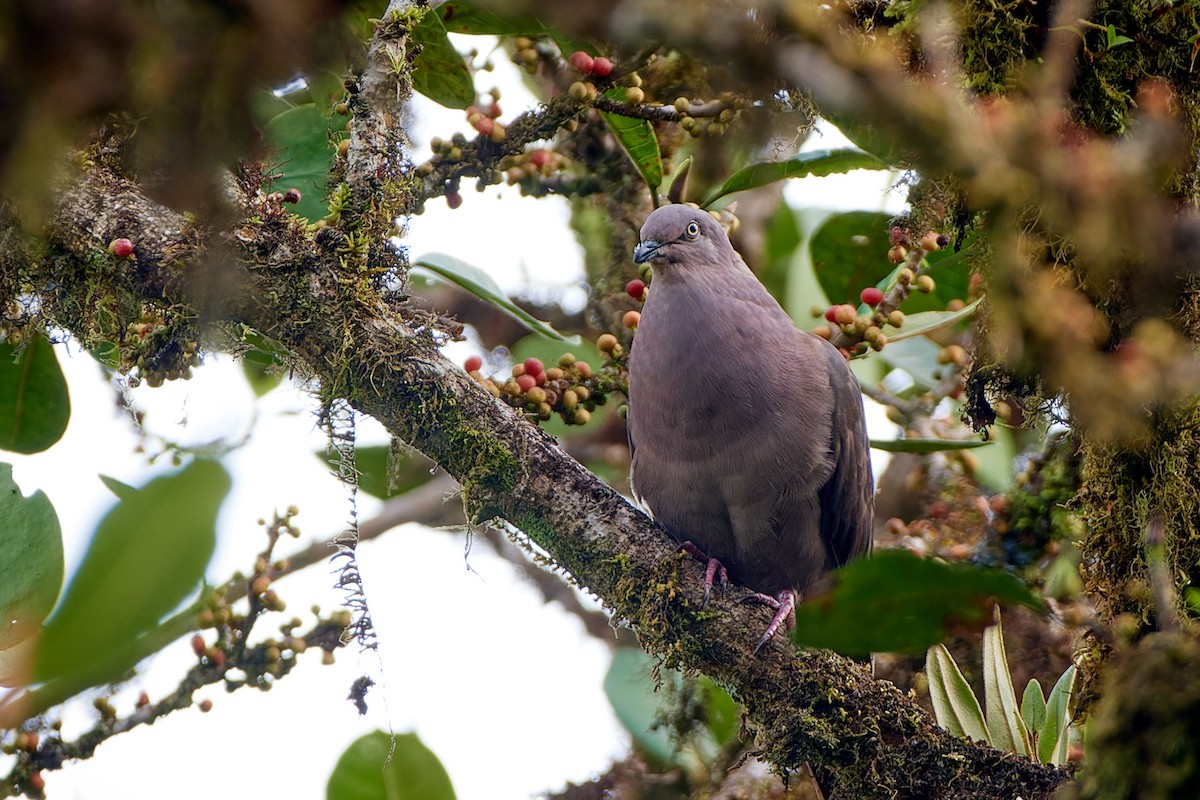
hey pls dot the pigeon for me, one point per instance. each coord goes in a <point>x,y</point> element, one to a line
<point>747,435</point>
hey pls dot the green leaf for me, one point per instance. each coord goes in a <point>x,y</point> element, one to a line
<point>925,322</point>
<point>1033,707</point>
<point>439,72</point>
<point>121,489</point>
<point>1054,733</point>
<point>636,137</point>
<point>925,445</point>
<point>1003,717</point>
<point>261,377</point>
<point>954,704</point>
<point>814,162</point>
<point>912,602</point>
<point>480,284</point>
<point>147,555</point>
<point>382,474</point>
<point>34,404</point>
<point>849,253</point>
<point>723,715</point>
<point>300,136</point>
<point>780,246</point>
<point>370,769</point>
<point>630,690</point>
<point>31,560</point>
<point>458,17</point>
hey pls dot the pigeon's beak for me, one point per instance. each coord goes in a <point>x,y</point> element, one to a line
<point>645,251</point>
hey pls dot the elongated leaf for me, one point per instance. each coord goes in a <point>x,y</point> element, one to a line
<point>439,72</point>
<point>34,404</point>
<point>925,445</point>
<point>954,704</point>
<point>913,603</point>
<point>1033,706</point>
<point>925,322</point>
<point>31,560</point>
<point>1055,731</point>
<point>148,554</point>
<point>480,284</point>
<point>637,139</point>
<point>918,357</point>
<point>1003,717</point>
<point>813,162</point>
<point>371,769</point>
<point>300,137</point>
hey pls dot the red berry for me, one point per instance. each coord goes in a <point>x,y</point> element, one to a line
<point>539,158</point>
<point>485,125</point>
<point>582,62</point>
<point>871,296</point>
<point>453,199</point>
<point>831,314</point>
<point>493,110</point>
<point>526,382</point>
<point>291,196</point>
<point>473,363</point>
<point>602,67</point>
<point>121,248</point>
<point>533,367</point>
<point>636,289</point>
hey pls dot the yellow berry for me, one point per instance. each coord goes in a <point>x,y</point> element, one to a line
<point>925,284</point>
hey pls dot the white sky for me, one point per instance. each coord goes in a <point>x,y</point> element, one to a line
<point>505,689</point>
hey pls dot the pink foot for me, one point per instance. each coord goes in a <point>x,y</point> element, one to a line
<point>713,569</point>
<point>784,605</point>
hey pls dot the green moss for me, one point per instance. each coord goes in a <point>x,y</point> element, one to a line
<point>1124,488</point>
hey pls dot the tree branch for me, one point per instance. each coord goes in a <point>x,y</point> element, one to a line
<point>864,738</point>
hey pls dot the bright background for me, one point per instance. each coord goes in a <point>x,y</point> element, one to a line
<point>504,688</point>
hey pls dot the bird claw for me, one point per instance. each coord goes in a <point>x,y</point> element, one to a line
<point>713,570</point>
<point>784,606</point>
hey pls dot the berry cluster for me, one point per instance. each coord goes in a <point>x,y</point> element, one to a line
<point>856,333</point>
<point>571,389</point>
<point>159,352</point>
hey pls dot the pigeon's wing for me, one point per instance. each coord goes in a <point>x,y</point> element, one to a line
<point>848,497</point>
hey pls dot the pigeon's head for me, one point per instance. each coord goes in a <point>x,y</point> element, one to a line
<point>681,233</point>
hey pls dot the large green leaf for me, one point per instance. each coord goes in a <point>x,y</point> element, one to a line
<point>849,253</point>
<point>147,555</point>
<point>814,162</point>
<point>379,766</point>
<point>31,560</point>
<point>480,284</point>
<point>459,17</point>
<point>918,357</point>
<point>630,689</point>
<point>439,72</point>
<point>1003,716</point>
<point>925,445</point>
<point>913,603</point>
<point>954,704</point>
<point>300,137</point>
<point>636,137</point>
<point>34,404</point>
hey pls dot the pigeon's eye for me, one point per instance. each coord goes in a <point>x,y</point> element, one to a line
<point>693,230</point>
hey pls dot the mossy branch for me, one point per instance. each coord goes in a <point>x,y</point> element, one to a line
<point>863,738</point>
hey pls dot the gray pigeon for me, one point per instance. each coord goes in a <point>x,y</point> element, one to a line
<point>747,435</point>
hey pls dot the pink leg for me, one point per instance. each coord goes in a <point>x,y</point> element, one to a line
<point>713,569</point>
<point>784,605</point>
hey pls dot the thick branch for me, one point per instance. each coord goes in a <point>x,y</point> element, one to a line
<point>864,738</point>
